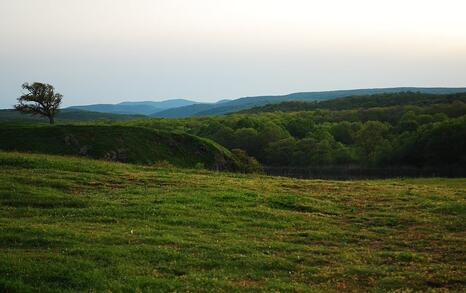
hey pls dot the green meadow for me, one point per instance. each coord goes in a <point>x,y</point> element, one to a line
<point>79,225</point>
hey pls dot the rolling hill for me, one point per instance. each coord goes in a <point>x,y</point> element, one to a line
<point>186,111</point>
<point>65,115</point>
<point>250,102</point>
<point>362,102</point>
<point>141,108</point>
<point>79,225</point>
<point>185,108</point>
<point>118,143</point>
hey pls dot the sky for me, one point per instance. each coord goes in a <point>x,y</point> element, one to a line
<point>108,51</point>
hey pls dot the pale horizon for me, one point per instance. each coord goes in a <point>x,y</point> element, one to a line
<point>106,51</point>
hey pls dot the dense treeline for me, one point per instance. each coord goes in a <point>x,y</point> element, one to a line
<point>428,134</point>
<point>354,102</point>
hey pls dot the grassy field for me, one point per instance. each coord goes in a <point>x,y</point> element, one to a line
<point>69,224</point>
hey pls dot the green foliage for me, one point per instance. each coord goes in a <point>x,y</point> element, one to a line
<point>281,152</point>
<point>76,225</point>
<point>248,164</point>
<point>443,143</point>
<point>366,102</point>
<point>118,143</point>
<point>248,140</point>
<point>387,130</point>
<point>41,99</point>
<point>398,134</point>
<point>343,132</point>
<point>370,137</point>
<point>306,97</point>
<point>199,166</point>
<point>299,126</point>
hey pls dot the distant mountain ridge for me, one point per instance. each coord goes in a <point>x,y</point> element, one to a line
<point>141,108</point>
<point>176,108</point>
<point>250,102</point>
<point>362,102</point>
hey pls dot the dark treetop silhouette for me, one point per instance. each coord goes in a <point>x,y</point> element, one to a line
<point>41,99</point>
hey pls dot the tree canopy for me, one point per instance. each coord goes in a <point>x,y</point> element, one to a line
<point>421,131</point>
<point>40,99</point>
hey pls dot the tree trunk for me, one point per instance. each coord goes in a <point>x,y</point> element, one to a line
<point>51,120</point>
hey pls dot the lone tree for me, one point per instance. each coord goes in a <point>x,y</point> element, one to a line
<point>41,99</point>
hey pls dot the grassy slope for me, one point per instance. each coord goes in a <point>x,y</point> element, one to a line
<point>64,115</point>
<point>119,143</point>
<point>70,224</point>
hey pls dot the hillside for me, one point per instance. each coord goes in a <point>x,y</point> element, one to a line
<point>118,143</point>
<point>177,108</point>
<point>140,108</point>
<point>78,225</point>
<point>185,111</point>
<point>65,115</point>
<point>363,102</point>
<point>411,134</point>
<point>250,102</point>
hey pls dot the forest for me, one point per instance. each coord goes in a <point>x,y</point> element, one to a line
<point>409,129</point>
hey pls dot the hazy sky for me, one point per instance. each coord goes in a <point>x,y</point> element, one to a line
<point>105,51</point>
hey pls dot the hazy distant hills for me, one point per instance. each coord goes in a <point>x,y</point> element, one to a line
<point>185,108</point>
<point>240,104</point>
<point>142,108</point>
